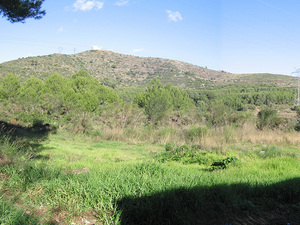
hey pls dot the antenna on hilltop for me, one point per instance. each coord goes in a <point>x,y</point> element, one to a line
<point>297,97</point>
<point>60,49</point>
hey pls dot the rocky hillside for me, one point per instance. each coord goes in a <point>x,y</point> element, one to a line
<point>126,71</point>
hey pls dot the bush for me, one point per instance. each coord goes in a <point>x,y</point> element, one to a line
<point>159,99</point>
<point>196,132</point>
<point>157,105</point>
<point>222,164</point>
<point>268,118</point>
<point>219,114</point>
<point>169,147</point>
<point>185,154</point>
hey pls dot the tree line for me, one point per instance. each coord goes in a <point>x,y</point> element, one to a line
<point>58,97</point>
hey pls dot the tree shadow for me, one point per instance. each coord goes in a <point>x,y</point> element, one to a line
<point>240,204</point>
<point>26,140</point>
<point>36,130</point>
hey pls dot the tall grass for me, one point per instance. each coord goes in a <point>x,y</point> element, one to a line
<point>114,191</point>
<point>146,191</point>
<point>129,183</point>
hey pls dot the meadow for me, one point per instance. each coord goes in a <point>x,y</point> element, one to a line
<point>86,156</point>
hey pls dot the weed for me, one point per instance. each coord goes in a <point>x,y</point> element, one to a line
<point>186,154</point>
<point>222,164</point>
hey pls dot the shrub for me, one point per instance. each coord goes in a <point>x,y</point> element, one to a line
<point>159,99</point>
<point>222,164</point>
<point>219,114</point>
<point>169,146</point>
<point>185,154</point>
<point>196,132</point>
<point>268,118</point>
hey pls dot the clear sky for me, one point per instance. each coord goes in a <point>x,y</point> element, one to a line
<point>238,36</point>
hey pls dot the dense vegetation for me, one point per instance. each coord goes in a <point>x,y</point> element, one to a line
<point>59,98</point>
<point>239,97</point>
<point>75,150</point>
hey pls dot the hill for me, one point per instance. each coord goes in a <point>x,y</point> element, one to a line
<point>126,71</point>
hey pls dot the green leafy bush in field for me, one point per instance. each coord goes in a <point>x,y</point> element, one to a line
<point>169,147</point>
<point>187,154</point>
<point>222,164</point>
<point>194,154</point>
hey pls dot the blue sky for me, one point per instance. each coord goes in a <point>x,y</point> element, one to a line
<point>238,36</point>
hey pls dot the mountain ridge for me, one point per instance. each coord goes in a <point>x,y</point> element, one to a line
<point>127,71</point>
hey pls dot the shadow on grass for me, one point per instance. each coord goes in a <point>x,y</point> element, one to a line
<point>274,204</point>
<point>24,140</point>
<point>39,130</point>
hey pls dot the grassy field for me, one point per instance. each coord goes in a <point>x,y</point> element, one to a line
<point>74,151</point>
<point>84,180</point>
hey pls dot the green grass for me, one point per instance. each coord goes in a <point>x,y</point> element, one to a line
<point>9,214</point>
<point>127,184</point>
<point>66,151</point>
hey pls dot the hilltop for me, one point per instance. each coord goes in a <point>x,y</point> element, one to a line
<point>126,71</point>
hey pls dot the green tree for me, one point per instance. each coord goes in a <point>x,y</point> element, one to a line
<point>57,94</point>
<point>32,90</point>
<point>159,98</point>
<point>56,85</point>
<point>107,94</point>
<point>9,87</point>
<point>157,104</point>
<point>88,101</point>
<point>180,98</point>
<point>19,10</point>
<point>90,93</point>
<point>81,73</point>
